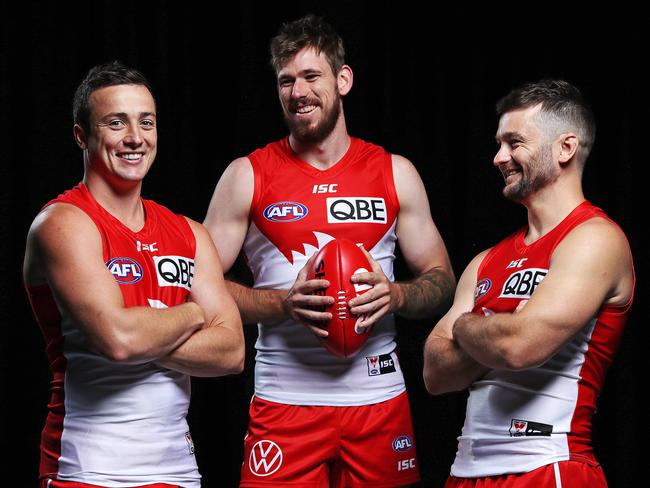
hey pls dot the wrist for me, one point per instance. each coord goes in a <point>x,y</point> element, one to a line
<point>396,297</point>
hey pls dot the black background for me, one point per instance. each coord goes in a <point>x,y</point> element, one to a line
<point>425,85</point>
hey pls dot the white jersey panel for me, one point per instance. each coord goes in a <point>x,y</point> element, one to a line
<point>292,366</point>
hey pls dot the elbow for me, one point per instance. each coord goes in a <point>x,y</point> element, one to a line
<point>118,352</point>
<point>236,363</point>
<point>519,359</point>
<point>435,384</point>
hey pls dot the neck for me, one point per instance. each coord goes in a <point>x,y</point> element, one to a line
<point>550,205</point>
<point>326,153</point>
<point>121,201</point>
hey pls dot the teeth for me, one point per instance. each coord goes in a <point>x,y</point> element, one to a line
<point>306,109</point>
<point>131,157</point>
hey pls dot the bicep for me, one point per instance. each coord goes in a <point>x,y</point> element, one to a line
<point>419,239</point>
<point>68,246</point>
<point>227,216</point>
<point>463,299</point>
<point>585,270</point>
<point>208,286</point>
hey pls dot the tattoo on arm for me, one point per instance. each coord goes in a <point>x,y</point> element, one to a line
<point>428,294</point>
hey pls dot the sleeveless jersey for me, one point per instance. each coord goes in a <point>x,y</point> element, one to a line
<point>296,209</point>
<point>517,421</point>
<point>114,424</point>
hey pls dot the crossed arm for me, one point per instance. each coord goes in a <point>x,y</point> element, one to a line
<point>63,242</point>
<point>591,267</point>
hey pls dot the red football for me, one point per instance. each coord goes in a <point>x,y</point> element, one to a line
<point>336,262</point>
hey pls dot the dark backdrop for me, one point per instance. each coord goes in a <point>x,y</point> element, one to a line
<point>424,87</point>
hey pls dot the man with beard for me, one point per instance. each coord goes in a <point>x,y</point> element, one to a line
<point>316,419</point>
<point>537,318</point>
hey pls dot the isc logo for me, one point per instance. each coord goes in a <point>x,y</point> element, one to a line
<point>285,211</point>
<point>404,464</point>
<point>125,270</point>
<point>174,271</point>
<point>360,209</point>
<point>522,284</point>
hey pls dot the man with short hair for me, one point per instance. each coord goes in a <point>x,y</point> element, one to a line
<point>316,419</point>
<point>537,318</point>
<point>131,300</point>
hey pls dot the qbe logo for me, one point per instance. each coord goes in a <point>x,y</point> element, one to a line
<point>174,271</point>
<point>285,212</point>
<point>522,284</point>
<point>265,458</point>
<point>125,270</point>
<point>368,210</point>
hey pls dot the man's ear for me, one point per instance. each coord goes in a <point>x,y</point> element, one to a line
<point>80,136</point>
<point>569,144</point>
<point>344,80</point>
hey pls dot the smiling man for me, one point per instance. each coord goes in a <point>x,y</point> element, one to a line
<point>316,419</point>
<point>131,300</point>
<point>536,319</point>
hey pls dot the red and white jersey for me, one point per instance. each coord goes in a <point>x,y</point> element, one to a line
<point>113,424</point>
<point>296,209</point>
<point>518,421</point>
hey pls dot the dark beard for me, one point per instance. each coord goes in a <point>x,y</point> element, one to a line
<point>541,169</point>
<point>308,135</point>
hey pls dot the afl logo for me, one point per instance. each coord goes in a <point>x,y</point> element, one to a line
<point>125,270</point>
<point>402,443</point>
<point>482,287</point>
<point>285,212</point>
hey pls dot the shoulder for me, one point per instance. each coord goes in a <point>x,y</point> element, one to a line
<point>61,219</point>
<point>239,168</point>
<point>599,236</point>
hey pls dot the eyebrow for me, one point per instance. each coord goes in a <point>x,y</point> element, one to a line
<point>509,135</point>
<point>125,115</point>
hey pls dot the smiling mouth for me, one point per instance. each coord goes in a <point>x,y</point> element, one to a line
<point>305,109</point>
<point>131,156</point>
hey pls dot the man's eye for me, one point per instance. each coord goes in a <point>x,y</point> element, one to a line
<point>148,124</point>
<point>116,124</point>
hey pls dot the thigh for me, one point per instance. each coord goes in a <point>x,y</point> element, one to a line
<point>377,445</point>
<point>289,445</point>
<point>565,474</point>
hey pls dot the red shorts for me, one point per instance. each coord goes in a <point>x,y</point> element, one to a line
<point>565,474</point>
<point>312,446</point>
<point>76,484</point>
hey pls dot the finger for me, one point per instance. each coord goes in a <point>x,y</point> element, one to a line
<point>373,318</point>
<point>370,278</point>
<point>322,333</point>
<point>313,317</point>
<point>310,301</point>
<point>310,286</point>
<point>370,307</point>
<point>375,265</point>
<point>372,294</point>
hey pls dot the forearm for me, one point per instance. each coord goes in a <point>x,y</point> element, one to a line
<point>428,294</point>
<point>139,334</point>
<point>491,340</point>
<point>447,367</point>
<point>212,351</point>
<point>256,305</point>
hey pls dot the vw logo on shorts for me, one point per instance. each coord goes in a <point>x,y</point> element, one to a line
<point>265,458</point>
